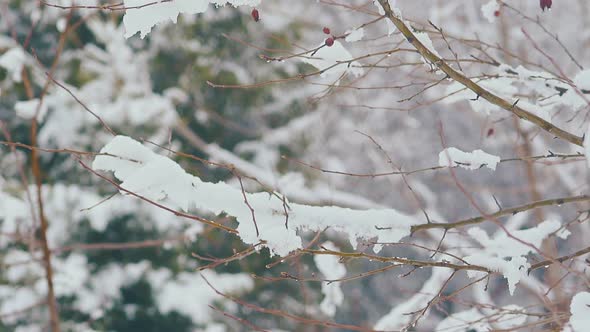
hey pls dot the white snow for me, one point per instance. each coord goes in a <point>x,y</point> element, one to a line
<point>390,26</point>
<point>501,86</point>
<point>354,35</point>
<point>161,179</point>
<point>427,42</point>
<point>143,19</point>
<point>587,145</point>
<point>489,9</point>
<point>398,318</point>
<point>580,310</point>
<point>13,61</point>
<point>506,318</point>
<point>461,321</point>
<point>27,109</point>
<point>572,97</point>
<point>12,300</point>
<point>506,255</point>
<point>20,264</point>
<point>452,157</point>
<point>335,60</point>
<point>332,269</point>
<point>188,293</point>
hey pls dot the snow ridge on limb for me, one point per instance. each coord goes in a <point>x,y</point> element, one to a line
<point>452,157</point>
<point>143,15</point>
<point>158,178</point>
<point>506,255</point>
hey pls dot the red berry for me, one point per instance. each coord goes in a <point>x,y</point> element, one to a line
<point>545,4</point>
<point>490,132</point>
<point>497,13</point>
<point>329,41</point>
<point>326,30</point>
<point>255,15</point>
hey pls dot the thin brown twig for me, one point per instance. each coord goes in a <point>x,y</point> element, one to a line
<point>219,261</point>
<point>405,261</point>
<point>559,259</point>
<point>112,7</point>
<point>478,89</point>
<point>500,213</point>
<point>54,319</point>
<point>280,313</point>
<point>117,245</point>
<point>238,319</point>
<point>104,124</point>
<point>551,155</point>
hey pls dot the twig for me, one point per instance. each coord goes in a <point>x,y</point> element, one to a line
<point>512,211</point>
<point>559,259</point>
<point>478,89</point>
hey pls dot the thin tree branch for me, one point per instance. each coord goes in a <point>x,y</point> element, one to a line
<point>513,211</point>
<point>468,83</point>
<point>559,259</point>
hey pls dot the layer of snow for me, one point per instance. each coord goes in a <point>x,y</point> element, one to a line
<point>506,255</point>
<point>468,320</point>
<point>574,98</point>
<point>580,309</point>
<point>489,9</point>
<point>144,18</point>
<point>390,26</point>
<point>398,317</point>
<point>335,60</point>
<point>587,145</point>
<point>13,61</point>
<point>354,35</point>
<point>332,269</point>
<point>159,178</point>
<point>501,86</point>
<point>27,109</point>
<point>452,157</point>
<point>427,42</point>
<point>189,294</point>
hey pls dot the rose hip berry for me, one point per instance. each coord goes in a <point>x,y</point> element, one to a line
<point>326,30</point>
<point>255,15</point>
<point>329,41</point>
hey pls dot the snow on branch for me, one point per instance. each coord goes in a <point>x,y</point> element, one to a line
<point>390,26</point>
<point>334,60</point>
<point>489,10</point>
<point>505,254</point>
<point>510,106</point>
<point>142,15</point>
<point>333,269</point>
<point>160,179</point>
<point>452,157</point>
<point>580,309</point>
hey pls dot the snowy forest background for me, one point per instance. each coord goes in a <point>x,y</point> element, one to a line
<point>192,165</point>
